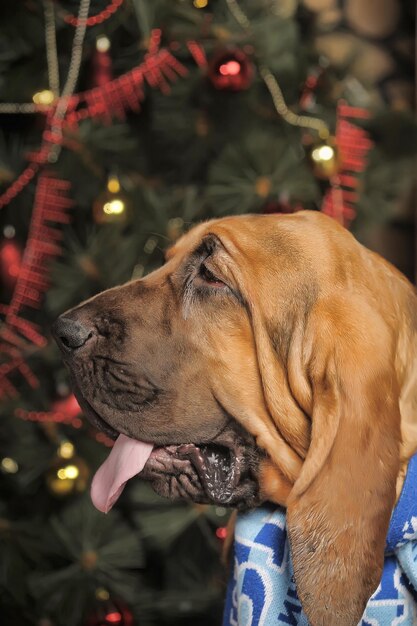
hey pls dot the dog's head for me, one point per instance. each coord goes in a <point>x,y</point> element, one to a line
<point>264,361</point>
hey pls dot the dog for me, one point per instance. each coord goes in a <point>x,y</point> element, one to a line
<point>271,358</point>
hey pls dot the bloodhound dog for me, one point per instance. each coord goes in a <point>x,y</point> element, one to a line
<point>272,358</point>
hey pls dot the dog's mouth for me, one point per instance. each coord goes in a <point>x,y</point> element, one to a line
<point>222,471</point>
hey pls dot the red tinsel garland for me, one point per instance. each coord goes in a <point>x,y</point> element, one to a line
<point>99,18</point>
<point>198,54</point>
<point>126,92</point>
<point>18,336</point>
<point>353,144</point>
<point>111,100</point>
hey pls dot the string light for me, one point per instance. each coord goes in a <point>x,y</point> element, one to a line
<point>114,617</point>
<point>9,231</point>
<point>9,466</point>
<point>323,153</point>
<point>111,205</point>
<point>64,479</point>
<point>103,43</point>
<point>44,97</point>
<point>113,184</point>
<point>93,20</point>
<point>18,107</point>
<point>69,471</point>
<point>221,532</point>
<point>51,49</point>
<point>302,121</point>
<point>66,450</point>
<point>72,78</point>
<point>114,207</point>
<point>231,68</point>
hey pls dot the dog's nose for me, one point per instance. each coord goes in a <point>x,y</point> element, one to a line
<point>70,334</point>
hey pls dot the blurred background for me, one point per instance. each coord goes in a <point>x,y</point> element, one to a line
<point>122,123</point>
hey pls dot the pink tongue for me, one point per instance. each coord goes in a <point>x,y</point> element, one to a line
<point>127,458</point>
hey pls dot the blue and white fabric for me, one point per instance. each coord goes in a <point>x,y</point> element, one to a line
<point>262,591</point>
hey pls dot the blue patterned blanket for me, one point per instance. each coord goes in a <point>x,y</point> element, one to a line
<point>262,591</point>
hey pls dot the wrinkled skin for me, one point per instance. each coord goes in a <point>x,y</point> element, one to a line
<point>149,371</point>
<point>270,358</point>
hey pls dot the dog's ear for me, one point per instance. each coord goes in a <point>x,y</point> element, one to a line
<point>339,509</point>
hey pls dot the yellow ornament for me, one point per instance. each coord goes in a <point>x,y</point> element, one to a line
<point>8,465</point>
<point>66,450</point>
<point>325,159</point>
<point>45,97</point>
<point>67,476</point>
<point>111,206</point>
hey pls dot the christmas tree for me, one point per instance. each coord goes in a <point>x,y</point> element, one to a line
<point>122,125</point>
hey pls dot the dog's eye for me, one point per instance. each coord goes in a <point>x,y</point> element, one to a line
<point>209,277</point>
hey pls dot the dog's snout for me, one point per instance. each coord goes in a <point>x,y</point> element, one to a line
<point>71,334</point>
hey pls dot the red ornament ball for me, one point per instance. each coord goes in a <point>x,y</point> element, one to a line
<point>10,263</point>
<point>221,532</point>
<point>109,612</point>
<point>230,70</point>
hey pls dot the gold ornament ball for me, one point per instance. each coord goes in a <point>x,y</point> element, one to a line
<point>325,160</point>
<point>66,477</point>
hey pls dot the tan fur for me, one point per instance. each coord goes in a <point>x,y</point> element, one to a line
<point>323,372</point>
<point>312,347</point>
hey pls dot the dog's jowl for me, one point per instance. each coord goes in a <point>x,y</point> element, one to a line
<point>271,359</point>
